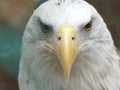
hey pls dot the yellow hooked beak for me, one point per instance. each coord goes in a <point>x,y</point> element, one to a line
<point>67,47</point>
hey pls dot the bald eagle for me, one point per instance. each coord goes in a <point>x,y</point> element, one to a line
<point>67,46</point>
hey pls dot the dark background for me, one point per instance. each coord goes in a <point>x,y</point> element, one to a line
<point>14,15</point>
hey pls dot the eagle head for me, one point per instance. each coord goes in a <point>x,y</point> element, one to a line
<point>67,46</point>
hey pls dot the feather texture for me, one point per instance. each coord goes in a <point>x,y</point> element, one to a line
<point>96,66</point>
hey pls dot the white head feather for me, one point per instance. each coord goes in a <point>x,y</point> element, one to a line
<point>96,66</point>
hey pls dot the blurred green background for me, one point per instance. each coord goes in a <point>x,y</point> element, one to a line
<point>14,15</point>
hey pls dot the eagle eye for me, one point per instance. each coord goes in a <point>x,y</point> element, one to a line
<point>88,26</point>
<point>45,28</point>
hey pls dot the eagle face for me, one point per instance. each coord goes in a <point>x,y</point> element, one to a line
<point>67,46</point>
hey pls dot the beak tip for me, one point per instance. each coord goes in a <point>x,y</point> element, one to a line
<point>67,75</point>
<point>67,79</point>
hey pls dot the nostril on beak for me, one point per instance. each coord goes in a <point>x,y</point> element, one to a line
<point>59,38</point>
<point>73,38</point>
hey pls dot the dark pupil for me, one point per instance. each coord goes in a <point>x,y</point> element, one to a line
<point>88,25</point>
<point>45,28</point>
